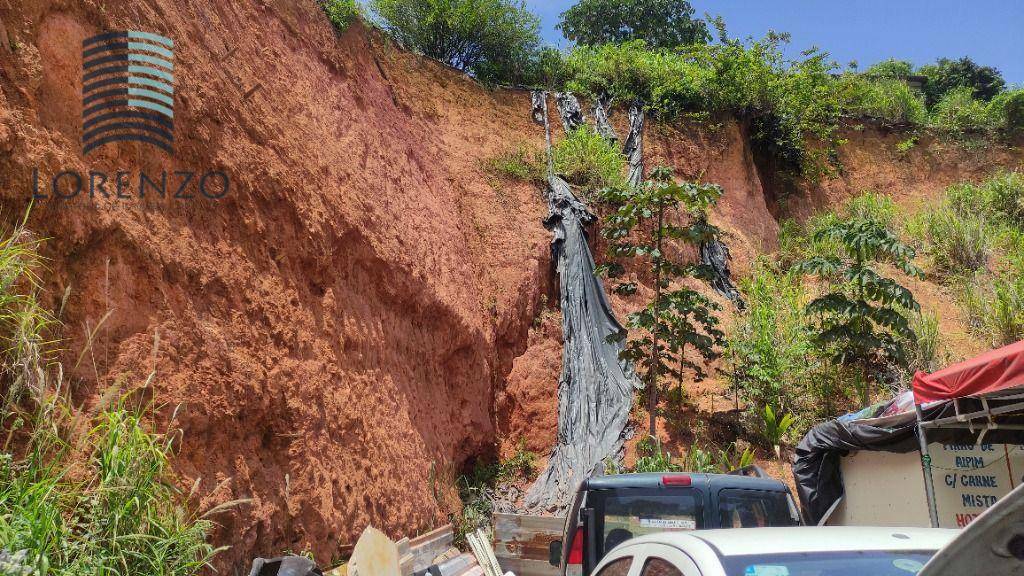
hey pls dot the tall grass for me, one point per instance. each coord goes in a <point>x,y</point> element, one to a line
<point>587,159</point>
<point>890,100</point>
<point>959,113</point>
<point>116,512</point>
<point>996,307</point>
<point>23,322</point>
<point>518,162</point>
<point>958,242</point>
<point>975,238</point>
<point>772,358</point>
<point>76,502</point>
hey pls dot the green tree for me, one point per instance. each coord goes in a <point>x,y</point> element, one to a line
<point>341,13</point>
<point>676,319</point>
<point>891,68</point>
<point>863,319</point>
<point>946,75</point>
<point>494,39</point>
<point>659,23</point>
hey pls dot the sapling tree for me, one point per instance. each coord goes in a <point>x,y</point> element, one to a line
<point>677,319</point>
<point>863,318</point>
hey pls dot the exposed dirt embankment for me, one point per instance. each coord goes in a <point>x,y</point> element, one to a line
<point>335,327</point>
<point>362,312</point>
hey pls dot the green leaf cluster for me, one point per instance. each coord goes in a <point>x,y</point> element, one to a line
<point>659,23</point>
<point>497,40</point>
<point>863,318</point>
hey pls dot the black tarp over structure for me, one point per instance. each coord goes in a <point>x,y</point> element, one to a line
<point>816,461</point>
<point>595,388</point>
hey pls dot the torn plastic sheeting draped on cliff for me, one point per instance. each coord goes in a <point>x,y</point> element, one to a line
<point>570,110</point>
<point>604,128</point>
<point>595,388</point>
<point>634,146</point>
<point>715,255</point>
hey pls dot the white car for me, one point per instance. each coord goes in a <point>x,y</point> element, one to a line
<point>802,551</point>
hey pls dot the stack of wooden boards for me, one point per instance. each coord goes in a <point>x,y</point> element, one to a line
<point>431,554</point>
<point>522,543</point>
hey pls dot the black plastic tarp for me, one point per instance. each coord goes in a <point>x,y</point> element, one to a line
<point>570,110</point>
<point>634,145</point>
<point>595,388</point>
<point>715,255</point>
<point>604,127</point>
<point>819,483</point>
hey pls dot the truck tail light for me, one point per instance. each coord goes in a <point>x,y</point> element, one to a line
<point>676,480</point>
<point>576,549</point>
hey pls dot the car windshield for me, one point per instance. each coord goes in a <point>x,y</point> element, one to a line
<point>867,563</point>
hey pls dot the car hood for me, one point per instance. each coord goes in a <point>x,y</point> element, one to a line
<point>995,540</point>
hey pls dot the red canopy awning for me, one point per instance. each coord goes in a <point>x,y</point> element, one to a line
<point>993,371</point>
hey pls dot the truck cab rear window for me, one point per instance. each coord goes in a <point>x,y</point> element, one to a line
<point>628,516</point>
<point>756,509</point>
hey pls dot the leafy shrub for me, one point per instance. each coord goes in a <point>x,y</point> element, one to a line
<point>888,99</point>
<point>546,69</point>
<point>891,68</point>
<point>652,458</point>
<point>587,159</point>
<point>862,319</point>
<point>907,145</point>
<point>945,76</point>
<point>721,462</point>
<point>660,23</point>
<point>959,112</point>
<point>663,80</point>
<point>785,100</point>
<point>341,13</point>
<point>494,39</point>
<point>1007,111</point>
<point>731,458</point>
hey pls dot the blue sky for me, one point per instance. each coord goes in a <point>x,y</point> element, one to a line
<point>989,31</point>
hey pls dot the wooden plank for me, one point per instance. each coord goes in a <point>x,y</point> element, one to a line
<point>525,537</point>
<point>522,567</point>
<point>444,532</point>
<point>405,559</point>
<point>425,548</point>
